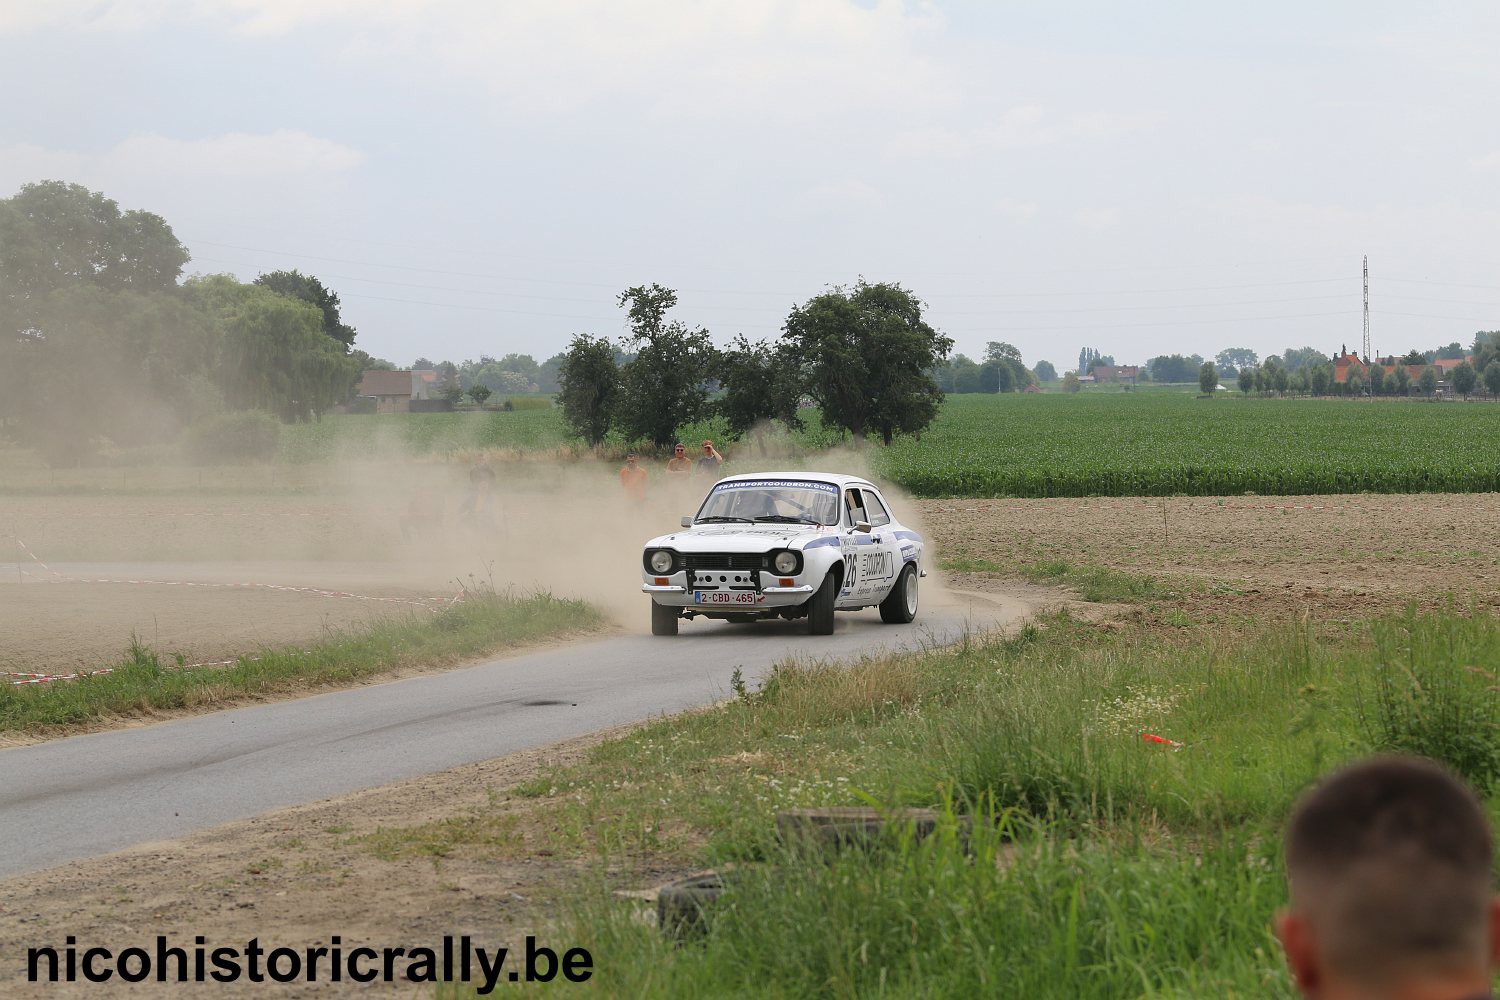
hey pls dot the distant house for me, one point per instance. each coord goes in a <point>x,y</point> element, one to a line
<point>425,383</point>
<point>392,391</point>
<point>1347,361</point>
<point>1130,374</point>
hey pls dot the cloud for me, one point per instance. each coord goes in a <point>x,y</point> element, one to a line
<point>792,58</point>
<point>1021,127</point>
<point>235,154</point>
<point>1015,209</point>
<point>1097,219</point>
<point>157,158</point>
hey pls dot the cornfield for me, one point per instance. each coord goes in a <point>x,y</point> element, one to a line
<point>1161,444</point>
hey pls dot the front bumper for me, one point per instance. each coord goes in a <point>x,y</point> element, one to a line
<point>678,595</point>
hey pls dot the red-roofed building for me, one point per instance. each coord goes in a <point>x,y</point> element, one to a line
<point>1116,373</point>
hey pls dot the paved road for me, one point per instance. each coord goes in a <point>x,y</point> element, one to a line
<point>89,795</point>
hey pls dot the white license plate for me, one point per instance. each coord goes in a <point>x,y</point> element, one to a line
<point>725,597</point>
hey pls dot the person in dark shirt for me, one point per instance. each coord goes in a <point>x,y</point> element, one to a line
<point>1388,863</point>
<point>709,461</point>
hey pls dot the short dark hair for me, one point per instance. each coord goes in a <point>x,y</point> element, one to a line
<point>1390,860</point>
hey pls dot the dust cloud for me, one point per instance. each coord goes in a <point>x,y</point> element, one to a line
<point>373,520</point>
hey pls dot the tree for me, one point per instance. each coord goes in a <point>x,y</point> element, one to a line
<point>868,353</point>
<point>1428,380</point>
<point>1354,385</point>
<point>521,364</point>
<point>56,236</point>
<point>1463,378</point>
<point>1174,368</point>
<point>666,384</point>
<point>1232,359</point>
<point>1247,380</point>
<point>1492,378</point>
<point>546,377</point>
<point>1414,357</point>
<point>1296,358</point>
<point>479,392</point>
<point>1071,383</point>
<point>1280,379</point>
<point>1376,378</point>
<point>761,383</point>
<point>589,383</point>
<point>1400,381</point>
<point>1208,378</point>
<point>309,289</point>
<point>1044,372</point>
<point>453,394</point>
<point>963,375</point>
<point>1011,374</point>
<point>274,355</point>
<point>1320,379</point>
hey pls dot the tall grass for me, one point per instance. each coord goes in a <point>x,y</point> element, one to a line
<point>1099,864</point>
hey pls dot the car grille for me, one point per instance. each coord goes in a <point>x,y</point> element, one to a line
<point>723,560</point>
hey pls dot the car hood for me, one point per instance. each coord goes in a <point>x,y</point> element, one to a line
<point>742,537</point>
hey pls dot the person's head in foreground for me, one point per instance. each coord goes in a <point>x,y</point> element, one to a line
<point>1391,897</point>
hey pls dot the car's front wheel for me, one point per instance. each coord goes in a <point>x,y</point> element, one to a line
<point>663,619</point>
<point>820,607</point>
<point>900,605</point>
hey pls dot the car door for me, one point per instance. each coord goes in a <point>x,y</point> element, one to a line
<point>882,557</point>
<point>855,545</point>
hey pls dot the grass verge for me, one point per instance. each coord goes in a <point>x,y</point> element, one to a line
<point>1100,865</point>
<point>145,681</point>
<point>1093,583</point>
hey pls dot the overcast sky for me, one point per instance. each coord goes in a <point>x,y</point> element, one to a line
<point>474,176</point>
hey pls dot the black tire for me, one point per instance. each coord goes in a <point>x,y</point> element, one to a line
<point>820,607</point>
<point>663,619</point>
<point>900,605</point>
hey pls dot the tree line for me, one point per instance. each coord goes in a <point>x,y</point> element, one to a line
<point>863,355</point>
<point>101,345</point>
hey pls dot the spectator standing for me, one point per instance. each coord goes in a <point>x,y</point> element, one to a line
<point>1389,866</point>
<point>633,480</point>
<point>709,462</point>
<point>679,466</point>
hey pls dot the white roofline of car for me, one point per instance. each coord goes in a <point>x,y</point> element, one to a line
<point>831,477</point>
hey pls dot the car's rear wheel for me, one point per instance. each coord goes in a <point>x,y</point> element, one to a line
<point>820,607</point>
<point>900,605</point>
<point>663,619</point>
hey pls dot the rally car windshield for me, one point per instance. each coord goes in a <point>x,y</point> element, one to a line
<point>771,502</point>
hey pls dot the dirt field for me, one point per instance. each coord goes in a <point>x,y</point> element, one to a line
<point>1367,550</point>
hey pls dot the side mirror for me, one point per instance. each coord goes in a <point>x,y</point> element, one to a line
<point>863,526</point>
<point>687,520</point>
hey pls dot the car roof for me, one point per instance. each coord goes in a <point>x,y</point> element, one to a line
<point>838,479</point>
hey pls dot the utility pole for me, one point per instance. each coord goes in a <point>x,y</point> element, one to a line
<point>1368,359</point>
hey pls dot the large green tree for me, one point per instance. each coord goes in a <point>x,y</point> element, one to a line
<point>761,383</point>
<point>589,382</point>
<point>869,353</point>
<point>56,236</point>
<point>665,385</point>
<point>274,354</point>
<point>1232,359</point>
<point>1011,373</point>
<point>1208,377</point>
<point>309,289</point>
<point>1463,378</point>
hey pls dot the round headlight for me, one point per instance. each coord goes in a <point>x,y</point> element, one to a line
<point>661,561</point>
<point>785,563</point>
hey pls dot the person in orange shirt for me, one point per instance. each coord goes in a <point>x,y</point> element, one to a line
<point>633,480</point>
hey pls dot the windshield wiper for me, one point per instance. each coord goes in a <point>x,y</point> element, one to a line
<point>717,518</point>
<point>780,519</point>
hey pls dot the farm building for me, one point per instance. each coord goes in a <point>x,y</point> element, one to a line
<point>1128,374</point>
<point>1347,361</point>
<point>394,391</point>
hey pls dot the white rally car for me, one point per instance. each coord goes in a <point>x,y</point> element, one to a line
<point>787,545</point>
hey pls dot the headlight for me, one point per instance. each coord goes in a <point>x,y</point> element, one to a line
<point>785,563</point>
<point>661,561</point>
